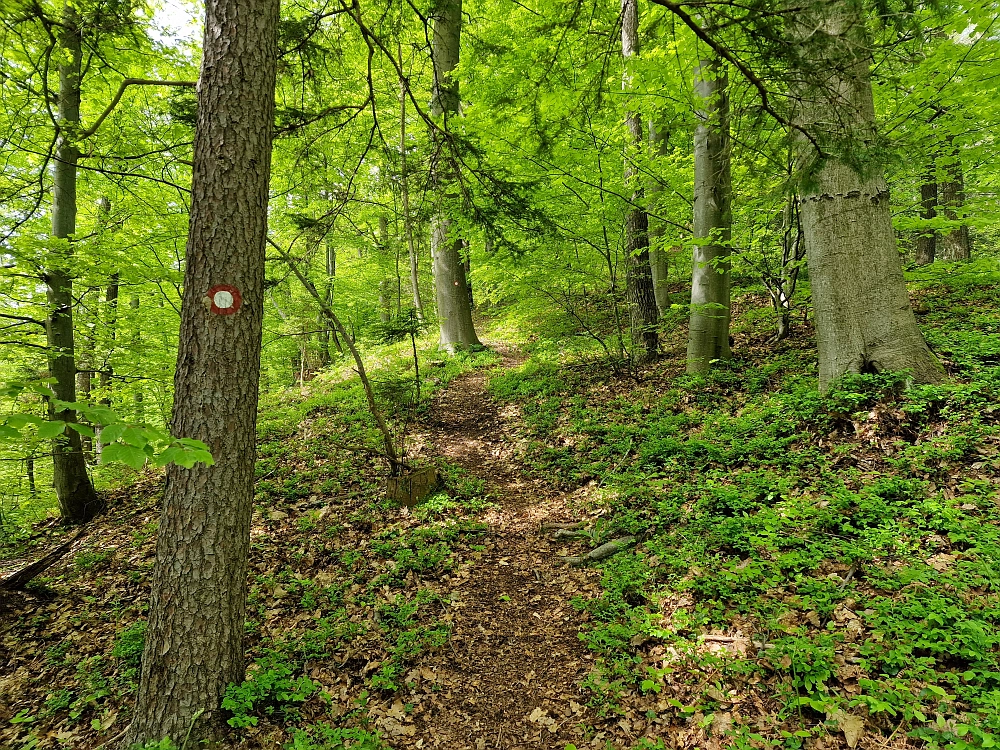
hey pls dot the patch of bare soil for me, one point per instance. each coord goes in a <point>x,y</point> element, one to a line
<point>516,661</point>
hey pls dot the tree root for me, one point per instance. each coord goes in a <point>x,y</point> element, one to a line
<point>604,551</point>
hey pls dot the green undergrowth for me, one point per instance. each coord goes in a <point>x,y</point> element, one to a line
<point>808,565</point>
<point>346,589</point>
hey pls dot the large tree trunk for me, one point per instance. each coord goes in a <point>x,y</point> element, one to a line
<point>926,245</point>
<point>194,640</point>
<point>659,258</point>
<point>864,322</point>
<point>450,283</point>
<point>643,316</point>
<point>708,337</point>
<point>77,500</point>
<point>953,244</point>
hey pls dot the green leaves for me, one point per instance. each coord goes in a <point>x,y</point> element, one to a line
<point>124,442</point>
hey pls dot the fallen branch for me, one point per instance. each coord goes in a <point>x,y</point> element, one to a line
<point>18,580</point>
<point>604,551</point>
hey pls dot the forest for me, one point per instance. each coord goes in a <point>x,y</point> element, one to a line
<point>499,374</point>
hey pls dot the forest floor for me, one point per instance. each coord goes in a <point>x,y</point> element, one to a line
<point>812,572</point>
<point>514,643</point>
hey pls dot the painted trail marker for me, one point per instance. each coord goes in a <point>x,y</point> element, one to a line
<point>223,299</point>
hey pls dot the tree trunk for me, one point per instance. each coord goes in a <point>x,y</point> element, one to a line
<point>385,285</point>
<point>953,244</point>
<point>926,245</point>
<point>194,639</point>
<point>107,371</point>
<point>29,465</point>
<point>77,500</point>
<point>418,303</point>
<point>659,258</point>
<point>864,322</point>
<point>708,337</point>
<point>638,272</point>
<point>450,282</point>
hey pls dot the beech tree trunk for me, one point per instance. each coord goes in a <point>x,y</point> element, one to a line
<point>953,244</point>
<point>708,336</point>
<point>77,500</point>
<point>659,258</point>
<point>864,322</point>
<point>194,639</point>
<point>643,316</point>
<point>450,282</point>
<point>926,245</point>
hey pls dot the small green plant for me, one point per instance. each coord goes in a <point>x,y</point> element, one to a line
<point>129,644</point>
<point>274,687</point>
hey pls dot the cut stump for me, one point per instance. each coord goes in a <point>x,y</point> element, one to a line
<point>412,487</point>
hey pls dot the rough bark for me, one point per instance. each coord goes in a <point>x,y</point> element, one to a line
<point>926,245</point>
<point>708,337</point>
<point>643,317</point>
<point>194,641</point>
<point>864,322</point>
<point>659,258</point>
<point>450,282</point>
<point>77,500</point>
<point>953,244</point>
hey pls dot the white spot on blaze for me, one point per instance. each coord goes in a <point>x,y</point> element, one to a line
<point>223,299</point>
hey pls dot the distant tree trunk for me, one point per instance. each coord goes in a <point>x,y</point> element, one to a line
<point>194,639</point>
<point>331,275</point>
<point>864,322</point>
<point>418,303</point>
<point>926,245</point>
<point>638,273</point>
<point>77,500</point>
<point>107,371</point>
<point>953,244</point>
<point>385,285</point>
<point>659,258</point>
<point>84,387</point>
<point>708,337</point>
<point>450,282</point>
<point>29,465</point>
<point>792,253</point>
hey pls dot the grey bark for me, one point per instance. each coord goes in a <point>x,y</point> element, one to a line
<point>194,640</point>
<point>77,500</point>
<point>708,337</point>
<point>639,289</point>
<point>864,322</point>
<point>450,282</point>
<point>659,258</point>
<point>926,245</point>
<point>953,244</point>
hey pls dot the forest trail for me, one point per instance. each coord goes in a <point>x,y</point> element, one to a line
<point>514,643</point>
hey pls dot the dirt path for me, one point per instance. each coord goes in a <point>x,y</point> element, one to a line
<point>515,636</point>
